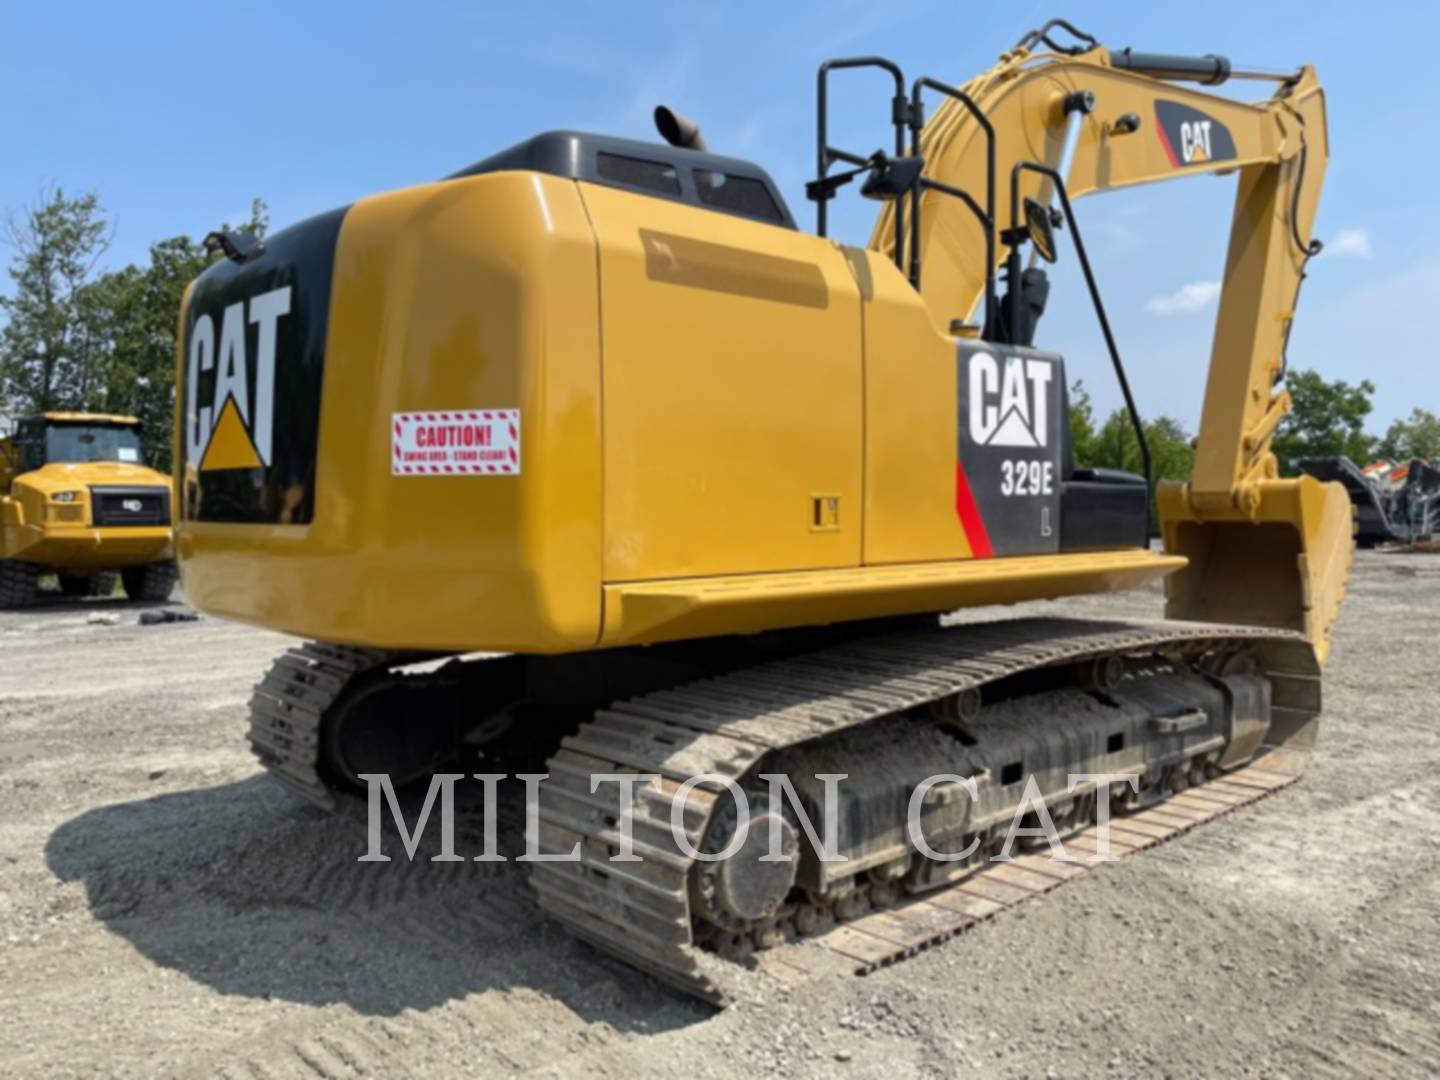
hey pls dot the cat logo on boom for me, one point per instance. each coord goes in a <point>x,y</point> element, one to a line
<point>1195,141</point>
<point>234,429</point>
<point>1009,400</point>
<point>1190,137</point>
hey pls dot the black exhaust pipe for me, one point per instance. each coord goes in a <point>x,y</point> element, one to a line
<point>677,130</point>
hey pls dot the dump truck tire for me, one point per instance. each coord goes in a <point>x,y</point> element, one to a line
<point>153,581</point>
<point>80,585</point>
<point>19,583</point>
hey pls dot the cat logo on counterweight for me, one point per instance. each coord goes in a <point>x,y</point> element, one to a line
<point>234,430</point>
<point>1009,400</point>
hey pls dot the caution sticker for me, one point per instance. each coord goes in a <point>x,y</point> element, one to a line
<point>471,442</point>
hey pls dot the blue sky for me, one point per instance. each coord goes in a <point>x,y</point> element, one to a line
<point>178,114</point>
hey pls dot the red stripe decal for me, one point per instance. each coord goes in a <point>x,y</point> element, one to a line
<point>1165,142</point>
<point>969,515</point>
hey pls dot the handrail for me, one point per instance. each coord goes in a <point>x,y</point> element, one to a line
<point>1014,320</point>
<point>987,220</point>
<point>1035,37</point>
<point>825,154</point>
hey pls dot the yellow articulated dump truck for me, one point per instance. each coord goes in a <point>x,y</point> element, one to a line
<point>77,501</point>
<point>697,483</point>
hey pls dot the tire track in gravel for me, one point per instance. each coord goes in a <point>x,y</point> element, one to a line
<point>248,890</point>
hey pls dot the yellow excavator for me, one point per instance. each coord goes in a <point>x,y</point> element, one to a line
<point>77,500</point>
<point>699,483</point>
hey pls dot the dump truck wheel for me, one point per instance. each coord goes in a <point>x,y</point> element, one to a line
<point>153,581</point>
<point>87,584</point>
<point>19,583</point>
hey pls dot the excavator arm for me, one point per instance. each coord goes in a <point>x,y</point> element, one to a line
<point>1262,550</point>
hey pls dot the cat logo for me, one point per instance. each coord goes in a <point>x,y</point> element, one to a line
<point>234,429</point>
<point>1189,137</point>
<point>1009,400</point>
<point>1195,141</point>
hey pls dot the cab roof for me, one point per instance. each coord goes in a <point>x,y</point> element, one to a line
<point>91,417</point>
<point>697,177</point>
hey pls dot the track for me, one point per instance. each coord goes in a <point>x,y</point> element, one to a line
<point>886,937</point>
<point>724,726</point>
<point>290,702</point>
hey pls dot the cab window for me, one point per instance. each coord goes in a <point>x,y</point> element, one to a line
<point>654,176</point>
<point>30,444</point>
<point>91,442</point>
<point>738,194</point>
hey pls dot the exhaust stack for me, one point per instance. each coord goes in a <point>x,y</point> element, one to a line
<point>678,130</point>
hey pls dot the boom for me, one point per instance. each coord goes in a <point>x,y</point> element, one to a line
<point>1110,120</point>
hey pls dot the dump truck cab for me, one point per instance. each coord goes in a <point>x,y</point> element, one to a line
<point>77,500</point>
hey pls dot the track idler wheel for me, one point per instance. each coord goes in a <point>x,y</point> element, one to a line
<point>745,893</point>
<point>392,726</point>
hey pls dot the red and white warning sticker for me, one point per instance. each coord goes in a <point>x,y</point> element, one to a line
<point>470,442</point>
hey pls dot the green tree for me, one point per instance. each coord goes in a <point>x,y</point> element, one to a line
<point>47,345</point>
<point>1417,437</point>
<point>139,308</point>
<point>1327,419</point>
<point>1172,457</point>
<point>131,317</point>
<point>1082,424</point>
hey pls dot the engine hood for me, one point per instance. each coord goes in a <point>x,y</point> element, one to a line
<point>66,476</point>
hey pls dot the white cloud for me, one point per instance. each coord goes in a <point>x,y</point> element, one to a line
<point>1196,296</point>
<point>1351,243</point>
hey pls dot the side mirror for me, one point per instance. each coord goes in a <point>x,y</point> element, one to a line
<point>891,178</point>
<point>1042,234</point>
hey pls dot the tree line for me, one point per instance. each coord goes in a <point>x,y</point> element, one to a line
<point>1327,419</point>
<point>77,338</point>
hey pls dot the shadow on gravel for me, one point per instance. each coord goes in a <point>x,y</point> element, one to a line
<point>244,888</point>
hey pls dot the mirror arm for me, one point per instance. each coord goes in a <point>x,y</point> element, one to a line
<point>824,188</point>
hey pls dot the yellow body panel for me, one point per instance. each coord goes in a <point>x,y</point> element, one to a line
<point>666,610</point>
<point>911,420</point>
<point>36,528</point>
<point>476,293</point>
<point>732,389</point>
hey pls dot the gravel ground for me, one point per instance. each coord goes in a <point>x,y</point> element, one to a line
<point>166,910</point>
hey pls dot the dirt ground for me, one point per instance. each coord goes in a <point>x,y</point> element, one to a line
<point>166,910</point>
